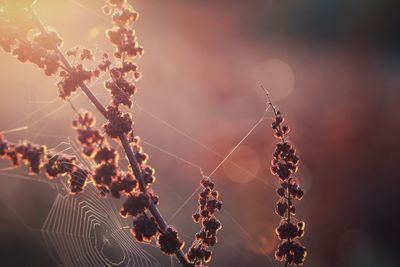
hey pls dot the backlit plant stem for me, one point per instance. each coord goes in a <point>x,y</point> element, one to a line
<point>283,139</point>
<point>285,165</point>
<point>124,141</point>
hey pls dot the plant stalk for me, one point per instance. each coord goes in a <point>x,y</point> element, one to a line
<point>124,141</point>
<point>283,139</point>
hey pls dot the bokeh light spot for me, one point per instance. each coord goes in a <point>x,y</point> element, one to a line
<point>94,32</point>
<point>243,165</point>
<point>277,76</point>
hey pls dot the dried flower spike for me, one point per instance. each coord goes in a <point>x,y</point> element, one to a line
<point>200,253</point>
<point>284,165</point>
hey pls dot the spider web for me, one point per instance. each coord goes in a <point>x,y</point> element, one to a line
<point>87,230</point>
<point>82,230</point>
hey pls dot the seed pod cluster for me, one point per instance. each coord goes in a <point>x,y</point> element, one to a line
<point>36,158</point>
<point>284,165</point>
<point>200,251</point>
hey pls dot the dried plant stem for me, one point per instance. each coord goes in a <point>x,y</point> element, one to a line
<point>283,139</point>
<point>124,141</point>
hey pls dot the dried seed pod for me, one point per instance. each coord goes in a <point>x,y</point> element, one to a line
<point>199,252</point>
<point>284,165</point>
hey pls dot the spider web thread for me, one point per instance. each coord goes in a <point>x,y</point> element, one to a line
<point>73,224</point>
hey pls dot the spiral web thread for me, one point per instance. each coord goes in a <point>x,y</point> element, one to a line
<point>84,228</point>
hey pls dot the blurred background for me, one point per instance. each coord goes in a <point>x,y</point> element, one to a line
<point>332,67</point>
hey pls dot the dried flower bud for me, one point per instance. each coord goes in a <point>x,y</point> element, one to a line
<point>118,123</point>
<point>104,174</point>
<point>144,228</point>
<point>49,40</point>
<point>169,241</point>
<point>77,180</point>
<point>86,54</point>
<point>136,203</point>
<point>72,80</point>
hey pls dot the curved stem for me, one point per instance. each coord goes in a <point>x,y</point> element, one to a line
<point>124,141</point>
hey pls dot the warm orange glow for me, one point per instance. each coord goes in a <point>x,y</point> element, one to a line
<point>243,165</point>
<point>94,32</point>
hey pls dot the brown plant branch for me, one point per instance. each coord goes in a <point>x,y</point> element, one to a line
<point>124,141</point>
